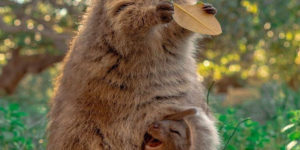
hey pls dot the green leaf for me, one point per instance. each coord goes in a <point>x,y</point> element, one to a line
<point>13,107</point>
<point>294,135</point>
<point>223,118</point>
<point>2,109</point>
<point>231,111</point>
<point>20,114</point>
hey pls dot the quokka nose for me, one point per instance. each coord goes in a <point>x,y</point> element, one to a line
<point>155,125</point>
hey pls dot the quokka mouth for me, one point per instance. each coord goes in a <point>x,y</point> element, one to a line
<point>151,142</point>
<point>154,143</point>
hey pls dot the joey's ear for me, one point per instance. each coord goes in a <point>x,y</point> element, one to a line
<point>188,133</point>
<point>181,115</point>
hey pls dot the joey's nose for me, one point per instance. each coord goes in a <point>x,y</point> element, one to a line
<point>155,125</point>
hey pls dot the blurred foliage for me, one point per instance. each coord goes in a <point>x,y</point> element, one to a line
<point>12,128</point>
<point>260,41</point>
<point>274,123</point>
<point>252,135</point>
<point>37,27</point>
<point>23,116</point>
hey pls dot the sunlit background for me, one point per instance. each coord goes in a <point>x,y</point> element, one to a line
<point>252,70</point>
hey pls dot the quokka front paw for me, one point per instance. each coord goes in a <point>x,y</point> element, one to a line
<point>165,10</point>
<point>208,8</point>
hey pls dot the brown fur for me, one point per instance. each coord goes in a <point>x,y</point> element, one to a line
<point>125,69</point>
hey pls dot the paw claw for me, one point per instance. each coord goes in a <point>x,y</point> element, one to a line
<point>208,8</point>
<point>165,11</point>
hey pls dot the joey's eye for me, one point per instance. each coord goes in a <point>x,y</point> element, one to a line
<point>174,131</point>
<point>123,6</point>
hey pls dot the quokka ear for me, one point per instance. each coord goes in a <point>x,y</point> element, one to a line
<point>181,115</point>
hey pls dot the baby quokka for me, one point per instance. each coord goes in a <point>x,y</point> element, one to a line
<point>172,133</point>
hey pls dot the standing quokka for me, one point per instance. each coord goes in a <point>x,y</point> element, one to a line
<point>172,133</point>
<point>129,66</point>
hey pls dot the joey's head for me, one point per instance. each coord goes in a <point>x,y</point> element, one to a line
<point>169,134</point>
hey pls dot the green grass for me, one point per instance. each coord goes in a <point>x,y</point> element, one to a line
<point>273,125</point>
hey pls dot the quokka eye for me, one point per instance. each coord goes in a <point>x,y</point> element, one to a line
<point>123,6</point>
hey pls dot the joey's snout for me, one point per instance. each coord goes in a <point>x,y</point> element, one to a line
<point>155,130</point>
